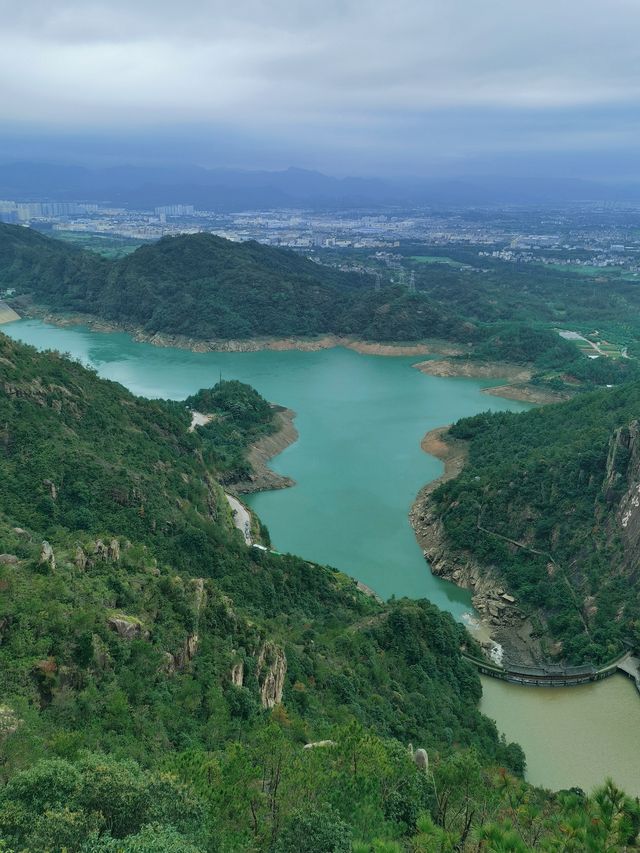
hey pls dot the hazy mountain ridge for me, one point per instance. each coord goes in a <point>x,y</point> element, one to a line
<point>236,190</point>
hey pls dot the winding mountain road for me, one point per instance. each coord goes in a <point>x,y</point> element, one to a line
<point>241,518</point>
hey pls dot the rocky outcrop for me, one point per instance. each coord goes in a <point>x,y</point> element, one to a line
<point>622,459</point>
<point>168,663</point>
<point>127,627</point>
<point>108,553</point>
<point>271,670</point>
<point>93,552</point>
<point>47,557</point>
<point>80,559</point>
<point>237,674</point>
<point>199,596</point>
<point>8,559</point>
<point>621,489</point>
<point>421,760</point>
<point>9,722</point>
<point>504,629</point>
<point>488,595</point>
<point>52,489</point>
<point>178,661</point>
<point>183,657</point>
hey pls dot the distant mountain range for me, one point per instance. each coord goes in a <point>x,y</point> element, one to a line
<point>145,187</point>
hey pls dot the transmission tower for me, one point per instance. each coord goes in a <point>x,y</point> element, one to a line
<point>378,278</point>
<point>412,282</point>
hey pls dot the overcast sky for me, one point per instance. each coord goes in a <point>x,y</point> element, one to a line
<point>367,87</point>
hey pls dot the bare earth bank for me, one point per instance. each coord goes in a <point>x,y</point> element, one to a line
<point>475,369</point>
<point>262,477</point>
<point>517,378</point>
<point>527,394</point>
<point>304,344</point>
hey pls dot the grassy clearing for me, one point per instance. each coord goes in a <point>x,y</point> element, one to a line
<point>434,259</point>
<point>103,244</point>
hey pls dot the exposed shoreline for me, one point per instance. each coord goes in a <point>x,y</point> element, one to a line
<point>517,384</point>
<point>257,344</point>
<point>516,388</point>
<point>263,478</point>
<point>527,393</point>
<point>500,620</point>
<point>472,369</point>
<point>7,314</point>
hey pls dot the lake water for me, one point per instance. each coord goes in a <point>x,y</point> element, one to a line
<point>358,464</point>
<point>573,735</point>
<point>358,467</point>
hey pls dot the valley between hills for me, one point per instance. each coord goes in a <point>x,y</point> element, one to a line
<point>147,652</point>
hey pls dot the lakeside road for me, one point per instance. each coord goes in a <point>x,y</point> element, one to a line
<point>241,517</point>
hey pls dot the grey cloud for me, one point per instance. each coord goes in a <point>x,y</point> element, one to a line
<point>345,73</point>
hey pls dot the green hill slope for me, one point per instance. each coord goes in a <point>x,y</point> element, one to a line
<point>561,481</point>
<point>160,680</point>
<point>146,629</point>
<point>202,286</point>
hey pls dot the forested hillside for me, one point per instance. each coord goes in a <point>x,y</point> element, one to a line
<point>160,680</point>
<point>562,482</point>
<point>202,286</point>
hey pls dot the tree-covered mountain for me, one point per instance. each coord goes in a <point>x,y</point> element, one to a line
<point>203,286</point>
<point>244,189</point>
<point>562,482</point>
<point>160,680</point>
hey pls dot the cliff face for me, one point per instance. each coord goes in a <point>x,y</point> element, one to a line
<point>621,490</point>
<point>548,503</point>
<point>271,670</point>
<point>503,626</point>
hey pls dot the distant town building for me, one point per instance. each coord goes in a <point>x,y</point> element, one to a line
<point>175,210</point>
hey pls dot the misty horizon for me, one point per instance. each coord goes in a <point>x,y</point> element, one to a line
<point>393,90</point>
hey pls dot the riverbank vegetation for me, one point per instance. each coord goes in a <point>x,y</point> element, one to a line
<point>547,501</point>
